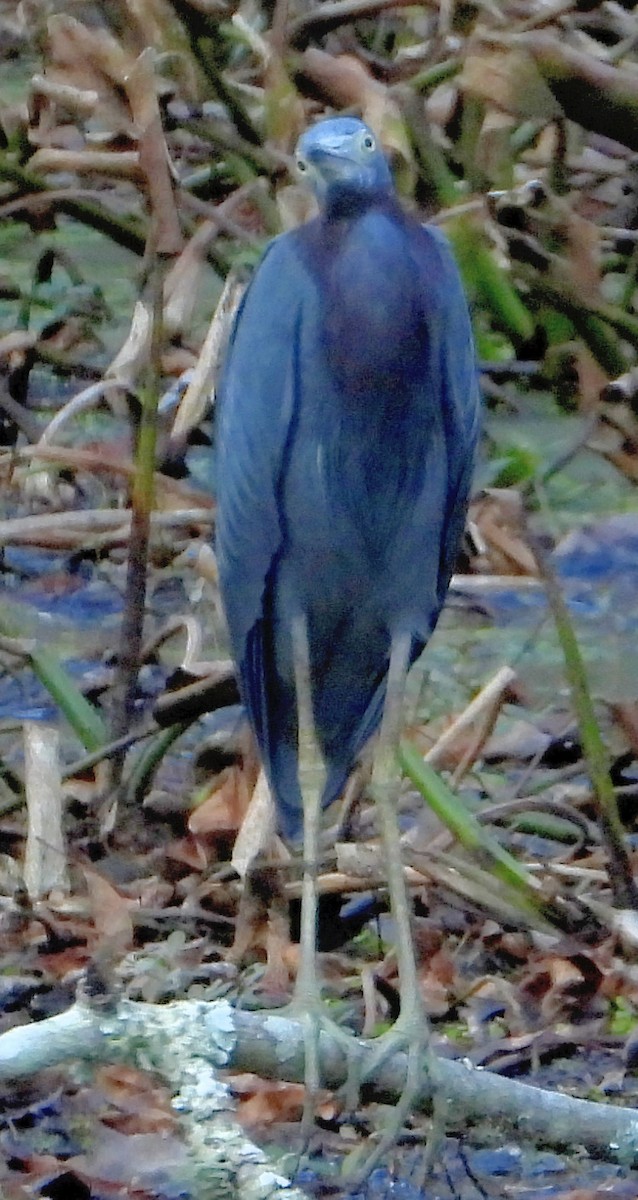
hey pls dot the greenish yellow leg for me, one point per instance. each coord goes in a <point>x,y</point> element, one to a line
<point>411,1031</point>
<point>306,1002</point>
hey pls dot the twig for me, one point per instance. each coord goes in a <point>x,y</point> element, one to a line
<point>333,13</point>
<point>197,395</point>
<point>19,414</point>
<point>77,404</point>
<point>199,30</point>
<point>99,526</point>
<point>488,700</point>
<point>45,859</point>
<point>164,245</point>
<point>120,231</point>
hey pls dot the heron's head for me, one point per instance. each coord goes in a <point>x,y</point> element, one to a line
<point>342,156</point>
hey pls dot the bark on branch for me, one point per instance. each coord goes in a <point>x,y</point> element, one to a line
<point>188,1041</point>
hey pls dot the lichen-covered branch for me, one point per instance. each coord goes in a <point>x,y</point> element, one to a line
<point>188,1041</point>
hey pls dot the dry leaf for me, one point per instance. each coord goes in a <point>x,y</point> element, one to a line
<point>90,60</point>
<point>181,289</point>
<point>154,156</point>
<point>510,80</point>
<point>111,915</point>
<point>582,239</point>
<point>562,983</point>
<point>263,1102</point>
<point>225,808</point>
<point>189,851</point>
<point>497,514</point>
<point>257,829</point>
<point>144,1106</point>
<point>133,356</point>
<point>197,396</point>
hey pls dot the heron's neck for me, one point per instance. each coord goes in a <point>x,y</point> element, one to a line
<point>345,203</point>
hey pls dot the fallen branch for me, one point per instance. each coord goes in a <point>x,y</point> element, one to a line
<point>187,1041</point>
<point>68,530</point>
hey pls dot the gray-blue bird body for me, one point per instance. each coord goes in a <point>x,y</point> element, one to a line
<point>348,423</point>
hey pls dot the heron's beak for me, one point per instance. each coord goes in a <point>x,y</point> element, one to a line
<point>331,164</point>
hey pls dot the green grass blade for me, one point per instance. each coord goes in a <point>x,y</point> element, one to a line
<point>465,827</point>
<point>594,750</point>
<point>83,718</point>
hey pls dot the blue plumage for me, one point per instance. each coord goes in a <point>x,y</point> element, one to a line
<point>348,423</point>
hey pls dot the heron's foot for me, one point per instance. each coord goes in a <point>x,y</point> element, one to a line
<point>410,1036</point>
<point>311,1011</point>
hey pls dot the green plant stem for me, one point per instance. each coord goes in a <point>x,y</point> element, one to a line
<point>202,32</point>
<point>81,715</point>
<point>120,231</point>
<point>83,718</point>
<point>524,136</point>
<point>431,77</point>
<point>142,499</point>
<point>620,872</point>
<point>468,831</point>
<point>601,326</point>
<point>146,765</point>
<point>489,281</point>
<point>484,277</point>
<point>629,282</point>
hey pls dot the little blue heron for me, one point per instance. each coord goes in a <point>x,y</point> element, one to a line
<point>348,422</point>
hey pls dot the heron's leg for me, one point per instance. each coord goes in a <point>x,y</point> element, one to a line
<point>307,993</point>
<point>306,1001</point>
<point>384,788</point>
<point>411,1031</point>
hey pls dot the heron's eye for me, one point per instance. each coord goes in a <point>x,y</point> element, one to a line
<point>302,165</point>
<point>368,142</point>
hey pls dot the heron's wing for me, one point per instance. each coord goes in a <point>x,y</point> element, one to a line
<point>257,398</point>
<point>461,404</point>
<point>252,426</point>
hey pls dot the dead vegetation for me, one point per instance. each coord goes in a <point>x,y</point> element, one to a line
<point>144,160</point>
